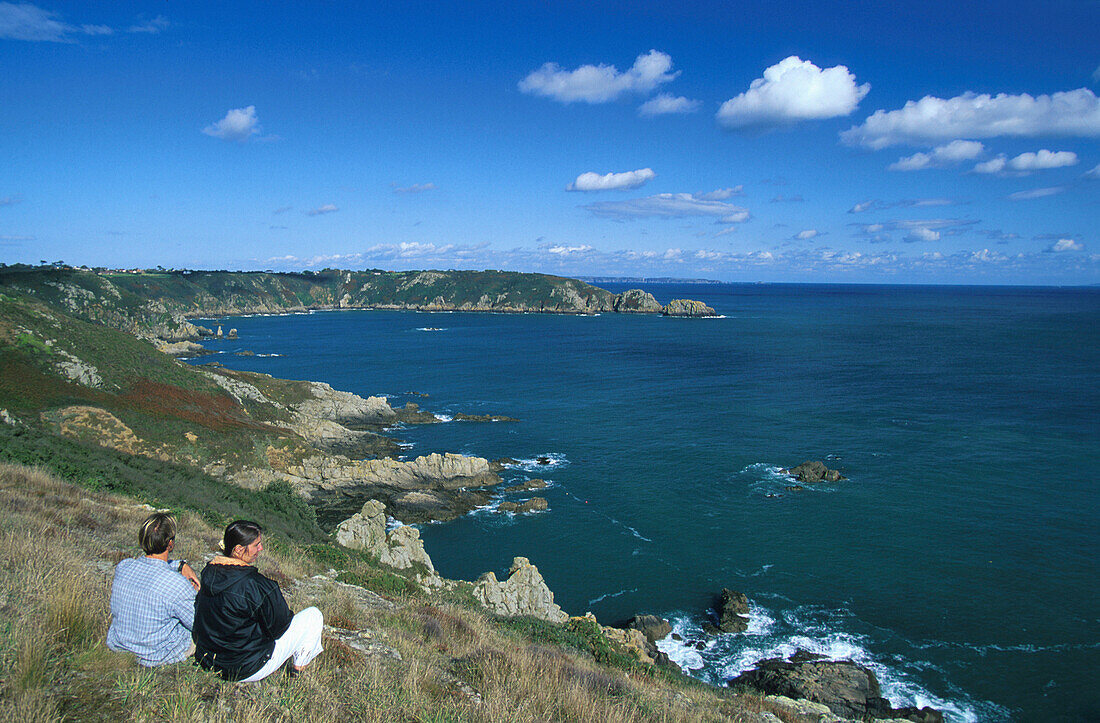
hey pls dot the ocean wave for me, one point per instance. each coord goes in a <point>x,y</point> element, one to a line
<point>442,417</point>
<point>430,328</point>
<point>718,658</point>
<point>550,460</point>
<point>772,481</point>
<point>609,595</point>
<point>269,355</point>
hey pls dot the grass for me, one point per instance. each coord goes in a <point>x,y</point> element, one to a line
<point>59,542</point>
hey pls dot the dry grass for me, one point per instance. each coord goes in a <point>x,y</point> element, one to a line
<point>58,545</point>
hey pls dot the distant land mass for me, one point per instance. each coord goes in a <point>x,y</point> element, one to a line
<point>157,303</point>
<point>643,280</point>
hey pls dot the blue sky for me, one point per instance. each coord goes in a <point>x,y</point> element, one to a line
<point>931,142</point>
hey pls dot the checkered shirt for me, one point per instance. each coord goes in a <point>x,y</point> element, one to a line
<point>152,609</point>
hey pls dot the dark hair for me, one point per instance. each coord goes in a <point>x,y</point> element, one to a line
<point>156,532</point>
<point>241,532</point>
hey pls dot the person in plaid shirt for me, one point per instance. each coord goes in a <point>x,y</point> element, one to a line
<point>153,599</point>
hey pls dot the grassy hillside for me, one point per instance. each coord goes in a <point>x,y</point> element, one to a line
<point>157,303</point>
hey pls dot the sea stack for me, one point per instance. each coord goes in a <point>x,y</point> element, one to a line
<point>688,308</point>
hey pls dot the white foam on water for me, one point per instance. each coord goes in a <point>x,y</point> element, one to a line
<point>762,571</point>
<point>270,355</point>
<point>553,460</point>
<point>442,417</point>
<point>609,595</point>
<point>430,328</point>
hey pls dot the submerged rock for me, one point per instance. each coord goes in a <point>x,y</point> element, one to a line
<point>460,417</point>
<point>733,611</point>
<point>535,504</point>
<point>688,308</point>
<point>523,593</point>
<point>531,484</point>
<point>813,472</point>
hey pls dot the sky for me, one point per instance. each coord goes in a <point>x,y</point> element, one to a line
<point>863,142</point>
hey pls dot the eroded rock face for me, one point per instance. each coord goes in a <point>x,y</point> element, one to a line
<point>523,593</point>
<point>535,504</point>
<point>688,307</point>
<point>813,472</point>
<point>345,407</point>
<point>401,549</point>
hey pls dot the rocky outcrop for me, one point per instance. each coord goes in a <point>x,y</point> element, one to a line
<point>688,308</point>
<point>401,549</point>
<point>72,367</point>
<point>523,593</point>
<point>848,689</point>
<point>636,301</point>
<point>460,417</point>
<point>181,348</point>
<point>733,611</point>
<point>651,626</point>
<point>531,484</point>
<point>814,472</point>
<point>325,402</point>
<point>535,504</point>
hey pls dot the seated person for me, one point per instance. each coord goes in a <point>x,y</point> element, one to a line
<point>153,599</point>
<point>243,626</point>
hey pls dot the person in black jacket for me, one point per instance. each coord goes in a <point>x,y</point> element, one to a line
<point>243,627</point>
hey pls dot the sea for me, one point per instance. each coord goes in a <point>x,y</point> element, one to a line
<point>959,559</point>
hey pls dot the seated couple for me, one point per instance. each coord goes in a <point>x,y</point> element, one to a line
<point>234,621</point>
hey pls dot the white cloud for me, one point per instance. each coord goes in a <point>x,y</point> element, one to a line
<point>666,104</point>
<point>1065,244</point>
<point>1094,173</point>
<point>591,181</point>
<point>922,233</point>
<point>599,83</point>
<point>1043,159</point>
<point>567,250</point>
<point>321,210</point>
<point>670,205</point>
<point>993,165</point>
<point>862,206</point>
<point>807,234</point>
<point>152,27</point>
<point>940,156</point>
<point>24,21</point>
<point>931,119</point>
<point>721,194</point>
<point>877,205</point>
<point>415,188</point>
<point>239,125</point>
<point>1036,193</point>
<point>793,90</point>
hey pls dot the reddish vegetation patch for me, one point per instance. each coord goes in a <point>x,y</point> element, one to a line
<point>213,411</point>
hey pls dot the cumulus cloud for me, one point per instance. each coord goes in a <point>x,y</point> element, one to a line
<point>563,250</point>
<point>668,104</point>
<point>940,156</point>
<point>1036,193</point>
<point>321,210</point>
<point>239,125</point>
<point>1065,244</point>
<point>993,165</point>
<point>415,188</point>
<point>807,234</point>
<point>599,83</point>
<point>922,233</point>
<point>670,205</point>
<point>1043,159</point>
<point>591,181</point>
<point>793,90</point>
<point>931,119</point>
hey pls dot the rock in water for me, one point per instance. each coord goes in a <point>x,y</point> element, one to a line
<point>636,301</point>
<point>848,689</point>
<point>653,627</point>
<point>812,472</point>
<point>523,593</point>
<point>733,611</point>
<point>688,307</point>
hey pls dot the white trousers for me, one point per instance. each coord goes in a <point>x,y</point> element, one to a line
<point>302,640</point>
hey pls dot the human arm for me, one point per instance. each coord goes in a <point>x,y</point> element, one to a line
<point>188,573</point>
<point>273,614</point>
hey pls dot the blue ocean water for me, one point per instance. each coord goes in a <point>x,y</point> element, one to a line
<point>960,559</point>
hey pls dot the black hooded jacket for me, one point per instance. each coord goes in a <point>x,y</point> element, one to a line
<point>239,613</point>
